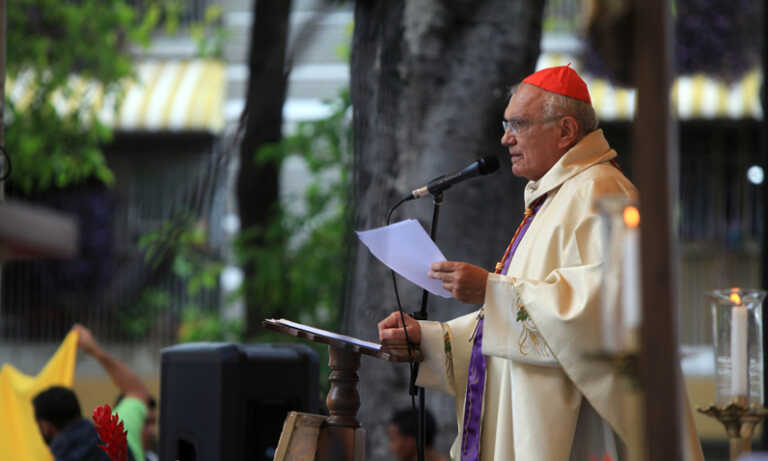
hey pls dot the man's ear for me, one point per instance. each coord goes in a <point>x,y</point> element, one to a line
<point>569,131</point>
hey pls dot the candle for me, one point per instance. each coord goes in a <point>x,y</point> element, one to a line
<point>739,372</point>
<point>631,277</point>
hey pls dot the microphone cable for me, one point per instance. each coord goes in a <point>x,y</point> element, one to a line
<point>411,361</point>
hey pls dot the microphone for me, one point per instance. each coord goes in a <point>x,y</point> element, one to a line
<point>483,166</point>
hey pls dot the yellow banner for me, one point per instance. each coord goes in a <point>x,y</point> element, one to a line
<point>19,435</point>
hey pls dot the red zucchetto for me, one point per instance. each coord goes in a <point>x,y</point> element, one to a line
<point>561,80</point>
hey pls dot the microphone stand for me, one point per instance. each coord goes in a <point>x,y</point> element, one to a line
<point>437,200</point>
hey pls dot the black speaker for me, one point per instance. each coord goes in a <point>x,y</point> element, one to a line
<point>224,401</point>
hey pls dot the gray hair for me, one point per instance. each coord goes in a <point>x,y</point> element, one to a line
<point>557,104</point>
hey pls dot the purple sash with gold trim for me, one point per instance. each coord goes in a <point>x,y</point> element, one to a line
<point>473,403</point>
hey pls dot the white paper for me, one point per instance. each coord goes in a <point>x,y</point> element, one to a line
<point>406,248</point>
<point>329,334</point>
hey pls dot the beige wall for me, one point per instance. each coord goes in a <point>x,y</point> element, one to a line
<point>94,391</point>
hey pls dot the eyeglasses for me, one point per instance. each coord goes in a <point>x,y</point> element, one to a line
<point>517,125</point>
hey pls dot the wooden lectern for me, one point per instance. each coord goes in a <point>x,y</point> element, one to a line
<point>308,437</point>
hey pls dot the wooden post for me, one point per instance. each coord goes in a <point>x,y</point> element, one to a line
<point>342,438</point>
<point>655,168</point>
<point>343,399</point>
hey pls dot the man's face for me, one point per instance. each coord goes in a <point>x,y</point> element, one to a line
<point>402,446</point>
<point>533,147</point>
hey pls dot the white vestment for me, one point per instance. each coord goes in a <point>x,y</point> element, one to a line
<point>543,399</point>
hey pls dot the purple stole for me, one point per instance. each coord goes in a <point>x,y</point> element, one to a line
<point>473,402</point>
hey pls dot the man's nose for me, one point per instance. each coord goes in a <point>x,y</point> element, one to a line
<point>507,139</point>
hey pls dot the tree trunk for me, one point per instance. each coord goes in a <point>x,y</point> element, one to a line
<point>429,86</point>
<point>262,120</point>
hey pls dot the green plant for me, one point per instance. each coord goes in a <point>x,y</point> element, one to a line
<point>301,255</point>
<point>138,320</point>
<point>64,56</point>
<point>183,242</point>
<point>301,277</point>
<point>209,34</point>
<point>199,325</point>
<point>181,245</point>
<point>54,135</point>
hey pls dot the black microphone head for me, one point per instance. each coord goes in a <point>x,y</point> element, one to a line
<point>488,164</point>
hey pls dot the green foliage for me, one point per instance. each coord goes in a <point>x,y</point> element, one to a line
<point>138,320</point>
<point>60,153</point>
<point>198,325</point>
<point>74,52</point>
<point>302,278</point>
<point>209,34</point>
<point>181,245</point>
<point>49,41</point>
<point>300,258</point>
<point>183,242</point>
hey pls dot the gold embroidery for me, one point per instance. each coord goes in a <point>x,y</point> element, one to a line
<point>448,352</point>
<point>529,340</point>
<point>522,314</point>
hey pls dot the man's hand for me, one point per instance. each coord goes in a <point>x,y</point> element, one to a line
<point>125,379</point>
<point>86,341</point>
<point>392,328</point>
<point>465,281</point>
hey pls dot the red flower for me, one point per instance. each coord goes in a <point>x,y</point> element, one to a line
<point>111,433</point>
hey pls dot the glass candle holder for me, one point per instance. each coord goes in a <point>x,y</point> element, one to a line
<point>737,320</point>
<point>621,289</point>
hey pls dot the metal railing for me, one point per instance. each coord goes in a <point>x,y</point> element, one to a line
<point>114,291</point>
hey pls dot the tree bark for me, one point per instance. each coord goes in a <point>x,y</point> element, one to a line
<point>429,85</point>
<point>262,120</point>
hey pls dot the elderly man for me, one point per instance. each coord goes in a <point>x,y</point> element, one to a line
<point>523,388</point>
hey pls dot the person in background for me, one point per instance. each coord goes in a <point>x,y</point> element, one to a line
<point>136,407</point>
<point>403,429</point>
<point>69,436</point>
<point>149,432</point>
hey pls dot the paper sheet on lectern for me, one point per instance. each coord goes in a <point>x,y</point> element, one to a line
<point>406,248</point>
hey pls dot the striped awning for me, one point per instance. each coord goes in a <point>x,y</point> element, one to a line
<point>167,95</point>
<point>696,97</point>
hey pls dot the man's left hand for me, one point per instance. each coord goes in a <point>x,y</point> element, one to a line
<point>466,282</point>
